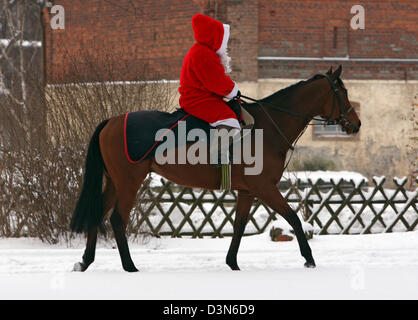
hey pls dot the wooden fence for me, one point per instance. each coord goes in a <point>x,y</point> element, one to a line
<point>169,209</point>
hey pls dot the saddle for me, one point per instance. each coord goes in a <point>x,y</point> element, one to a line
<point>245,119</point>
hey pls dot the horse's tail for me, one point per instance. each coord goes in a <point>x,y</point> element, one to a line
<point>88,212</point>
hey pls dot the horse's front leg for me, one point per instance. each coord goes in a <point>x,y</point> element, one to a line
<point>274,199</point>
<point>244,203</point>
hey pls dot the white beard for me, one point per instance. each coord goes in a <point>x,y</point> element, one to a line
<point>226,61</point>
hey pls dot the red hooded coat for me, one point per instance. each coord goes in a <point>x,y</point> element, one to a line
<point>203,82</point>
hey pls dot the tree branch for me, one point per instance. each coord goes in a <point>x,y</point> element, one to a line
<point>9,46</point>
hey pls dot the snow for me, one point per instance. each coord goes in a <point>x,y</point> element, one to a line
<point>303,176</point>
<point>378,266</point>
<point>400,181</point>
<point>325,176</point>
<point>379,180</point>
<point>24,43</point>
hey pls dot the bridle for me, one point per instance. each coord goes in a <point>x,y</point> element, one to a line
<point>341,120</point>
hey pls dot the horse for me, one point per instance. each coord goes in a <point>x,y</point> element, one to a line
<point>282,116</point>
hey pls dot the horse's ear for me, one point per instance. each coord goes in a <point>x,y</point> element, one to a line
<point>337,72</point>
<point>329,71</point>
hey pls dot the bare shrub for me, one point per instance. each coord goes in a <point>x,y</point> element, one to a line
<point>312,163</point>
<point>42,160</point>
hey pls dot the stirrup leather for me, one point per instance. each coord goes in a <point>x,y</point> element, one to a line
<point>226,177</point>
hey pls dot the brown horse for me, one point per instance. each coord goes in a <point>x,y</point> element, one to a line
<point>288,111</point>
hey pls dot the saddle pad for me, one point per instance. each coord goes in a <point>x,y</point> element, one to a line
<point>140,130</point>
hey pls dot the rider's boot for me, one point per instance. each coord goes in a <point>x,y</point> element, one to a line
<point>220,143</point>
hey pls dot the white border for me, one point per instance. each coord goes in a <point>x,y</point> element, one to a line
<point>231,122</point>
<point>225,38</point>
<point>233,93</point>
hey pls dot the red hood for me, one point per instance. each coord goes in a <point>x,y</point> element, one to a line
<point>210,32</point>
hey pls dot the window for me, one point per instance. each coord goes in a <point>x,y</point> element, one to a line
<point>334,132</point>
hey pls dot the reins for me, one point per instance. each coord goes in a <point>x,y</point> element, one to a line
<point>288,111</point>
<point>324,122</point>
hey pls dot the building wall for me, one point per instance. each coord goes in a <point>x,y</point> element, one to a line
<point>271,41</point>
<point>317,29</point>
<point>242,16</point>
<point>151,37</point>
<point>306,28</point>
<point>148,38</point>
<point>386,109</point>
<point>143,37</point>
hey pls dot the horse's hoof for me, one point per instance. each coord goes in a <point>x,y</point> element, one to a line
<point>131,269</point>
<point>79,267</point>
<point>234,267</point>
<point>310,264</point>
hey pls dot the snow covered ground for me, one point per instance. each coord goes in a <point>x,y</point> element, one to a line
<point>378,266</point>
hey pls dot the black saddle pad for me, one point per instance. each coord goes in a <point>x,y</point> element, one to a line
<point>141,127</point>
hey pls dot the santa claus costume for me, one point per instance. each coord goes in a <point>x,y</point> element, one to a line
<point>203,80</point>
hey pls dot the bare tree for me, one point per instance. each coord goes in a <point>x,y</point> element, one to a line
<point>20,65</point>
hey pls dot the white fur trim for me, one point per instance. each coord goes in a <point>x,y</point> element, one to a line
<point>231,122</point>
<point>233,93</point>
<point>225,38</point>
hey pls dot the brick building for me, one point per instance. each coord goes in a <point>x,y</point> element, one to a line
<point>273,43</point>
<point>269,38</point>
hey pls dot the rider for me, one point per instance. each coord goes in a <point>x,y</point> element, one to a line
<point>204,83</point>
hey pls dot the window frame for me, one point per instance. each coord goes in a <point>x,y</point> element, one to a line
<point>352,137</point>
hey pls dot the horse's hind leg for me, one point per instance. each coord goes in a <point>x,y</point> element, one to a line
<point>89,252</point>
<point>119,228</point>
<point>109,199</point>
<point>120,217</point>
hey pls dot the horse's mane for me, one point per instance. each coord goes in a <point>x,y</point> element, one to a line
<point>283,93</point>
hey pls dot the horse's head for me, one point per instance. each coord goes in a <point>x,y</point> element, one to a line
<point>337,107</point>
